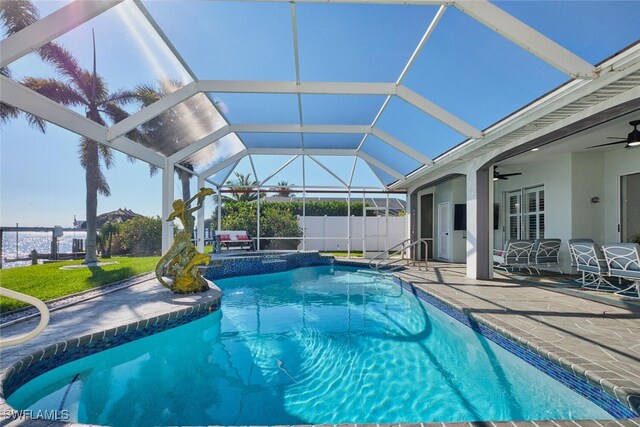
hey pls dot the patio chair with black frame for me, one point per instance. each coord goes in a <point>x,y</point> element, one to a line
<point>623,260</point>
<point>590,261</point>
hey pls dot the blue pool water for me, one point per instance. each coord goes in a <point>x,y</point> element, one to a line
<point>309,346</point>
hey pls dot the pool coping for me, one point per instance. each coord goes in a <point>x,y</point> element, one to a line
<point>97,341</point>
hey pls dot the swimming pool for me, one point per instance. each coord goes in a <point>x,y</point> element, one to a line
<point>308,346</point>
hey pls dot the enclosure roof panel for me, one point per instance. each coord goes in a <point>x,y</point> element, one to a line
<point>387,85</point>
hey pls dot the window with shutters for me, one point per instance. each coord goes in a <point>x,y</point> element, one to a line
<point>525,213</point>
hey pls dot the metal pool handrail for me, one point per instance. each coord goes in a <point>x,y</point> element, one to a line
<point>44,317</point>
<point>377,260</point>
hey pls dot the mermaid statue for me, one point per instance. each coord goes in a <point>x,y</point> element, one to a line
<point>178,269</point>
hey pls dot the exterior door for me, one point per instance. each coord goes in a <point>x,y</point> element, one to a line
<point>444,232</point>
<point>629,208</point>
<point>426,225</point>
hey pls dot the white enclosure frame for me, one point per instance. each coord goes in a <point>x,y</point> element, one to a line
<point>586,79</point>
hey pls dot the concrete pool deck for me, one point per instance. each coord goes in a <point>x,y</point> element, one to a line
<point>600,341</point>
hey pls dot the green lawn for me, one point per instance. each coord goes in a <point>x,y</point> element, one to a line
<point>48,282</point>
<point>343,254</point>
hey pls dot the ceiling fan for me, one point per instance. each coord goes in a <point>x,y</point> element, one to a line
<point>632,140</point>
<point>497,175</point>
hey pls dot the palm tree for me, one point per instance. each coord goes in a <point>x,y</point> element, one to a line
<point>242,189</point>
<point>77,87</point>
<point>283,189</point>
<point>14,16</point>
<point>107,231</point>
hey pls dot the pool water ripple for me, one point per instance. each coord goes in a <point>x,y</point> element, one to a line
<point>309,346</point>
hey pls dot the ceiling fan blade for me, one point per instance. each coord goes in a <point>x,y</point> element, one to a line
<point>610,143</point>
<point>617,137</point>
<point>511,174</point>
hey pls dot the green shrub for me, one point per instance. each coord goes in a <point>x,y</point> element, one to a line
<point>276,220</point>
<point>142,236</point>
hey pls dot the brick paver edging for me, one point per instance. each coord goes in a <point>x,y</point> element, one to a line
<point>617,401</point>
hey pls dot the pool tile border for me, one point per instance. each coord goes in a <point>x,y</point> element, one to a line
<point>614,400</point>
<point>60,353</point>
<point>607,396</point>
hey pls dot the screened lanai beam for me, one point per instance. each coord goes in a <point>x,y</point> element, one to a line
<point>427,34</point>
<point>380,165</point>
<point>223,164</point>
<point>19,96</point>
<point>350,88</point>
<point>152,111</point>
<point>145,12</point>
<point>253,167</point>
<point>401,146</point>
<point>395,143</point>
<point>300,151</point>
<point>526,37</point>
<point>50,27</point>
<point>328,170</point>
<point>438,113</point>
<point>284,165</point>
<point>274,87</point>
<point>292,87</point>
<point>200,144</point>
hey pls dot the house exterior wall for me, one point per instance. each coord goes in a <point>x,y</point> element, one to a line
<point>616,164</point>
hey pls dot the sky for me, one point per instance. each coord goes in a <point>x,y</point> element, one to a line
<point>465,68</point>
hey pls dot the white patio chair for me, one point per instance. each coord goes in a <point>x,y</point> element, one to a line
<point>545,253</point>
<point>590,261</point>
<point>623,260</point>
<point>574,263</point>
<point>515,254</point>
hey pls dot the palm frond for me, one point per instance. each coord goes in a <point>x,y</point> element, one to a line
<point>55,90</point>
<point>147,94</point>
<point>36,122</point>
<point>122,97</point>
<point>17,14</point>
<point>83,152</point>
<point>7,112</point>
<point>62,61</point>
<point>113,112</point>
<point>107,155</point>
<point>103,186</point>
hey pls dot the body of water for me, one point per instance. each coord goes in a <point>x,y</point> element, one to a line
<point>30,240</point>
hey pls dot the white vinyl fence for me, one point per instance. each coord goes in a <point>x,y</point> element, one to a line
<point>331,233</point>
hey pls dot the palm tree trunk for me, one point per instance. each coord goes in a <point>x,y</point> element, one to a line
<point>185,180</point>
<point>92,170</point>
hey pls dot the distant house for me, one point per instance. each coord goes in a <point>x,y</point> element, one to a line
<point>120,215</point>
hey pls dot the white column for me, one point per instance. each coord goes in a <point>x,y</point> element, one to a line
<point>219,208</point>
<point>349,224</point>
<point>200,219</point>
<point>472,224</point>
<point>258,218</point>
<point>167,205</point>
<point>479,227</point>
